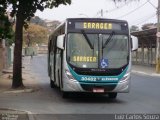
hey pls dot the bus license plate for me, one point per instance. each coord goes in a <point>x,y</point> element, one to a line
<point>98,90</point>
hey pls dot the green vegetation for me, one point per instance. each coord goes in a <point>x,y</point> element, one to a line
<point>24,10</point>
<point>35,34</point>
<point>134,28</point>
<point>6,31</point>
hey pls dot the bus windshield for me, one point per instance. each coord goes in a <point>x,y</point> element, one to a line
<point>107,51</point>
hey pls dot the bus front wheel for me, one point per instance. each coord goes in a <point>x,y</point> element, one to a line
<point>65,94</point>
<point>112,95</point>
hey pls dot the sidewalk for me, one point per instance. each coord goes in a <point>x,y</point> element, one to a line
<point>145,70</point>
<point>29,81</point>
<point>10,114</point>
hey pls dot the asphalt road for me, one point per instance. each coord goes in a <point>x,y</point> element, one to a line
<point>144,97</point>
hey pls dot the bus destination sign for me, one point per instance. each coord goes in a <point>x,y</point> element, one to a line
<point>97,25</point>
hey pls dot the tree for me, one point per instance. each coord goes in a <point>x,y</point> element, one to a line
<point>6,31</point>
<point>123,0</point>
<point>5,25</point>
<point>134,28</point>
<point>50,25</point>
<point>35,34</point>
<point>24,10</point>
<point>117,1</point>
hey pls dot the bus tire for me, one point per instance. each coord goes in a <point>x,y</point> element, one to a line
<point>65,94</point>
<point>52,85</point>
<point>112,95</point>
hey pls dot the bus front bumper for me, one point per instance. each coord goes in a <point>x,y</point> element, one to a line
<point>75,86</point>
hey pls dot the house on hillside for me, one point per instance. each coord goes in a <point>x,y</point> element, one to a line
<point>51,25</point>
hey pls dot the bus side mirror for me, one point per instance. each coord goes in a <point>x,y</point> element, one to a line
<point>60,41</point>
<point>134,41</point>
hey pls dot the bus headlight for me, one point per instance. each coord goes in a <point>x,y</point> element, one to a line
<point>125,77</point>
<point>69,75</point>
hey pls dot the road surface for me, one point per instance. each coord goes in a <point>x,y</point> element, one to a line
<point>144,97</point>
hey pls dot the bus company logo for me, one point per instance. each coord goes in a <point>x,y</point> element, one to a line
<point>98,70</point>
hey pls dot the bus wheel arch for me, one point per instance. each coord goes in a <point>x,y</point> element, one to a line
<point>112,95</point>
<point>66,94</point>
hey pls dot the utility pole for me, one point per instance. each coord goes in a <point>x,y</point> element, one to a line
<point>102,13</point>
<point>158,40</point>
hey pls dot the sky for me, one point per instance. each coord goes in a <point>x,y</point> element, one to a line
<point>135,12</point>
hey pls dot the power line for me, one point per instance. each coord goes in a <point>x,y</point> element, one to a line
<point>146,19</point>
<point>142,19</point>
<point>132,10</point>
<point>114,9</point>
<point>152,4</point>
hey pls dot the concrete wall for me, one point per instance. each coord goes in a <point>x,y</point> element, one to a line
<point>29,51</point>
<point>2,55</point>
<point>144,56</point>
<point>1,58</point>
<point>6,55</point>
<point>42,49</point>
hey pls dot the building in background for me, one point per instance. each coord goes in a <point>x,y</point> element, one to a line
<point>51,25</point>
<point>146,53</point>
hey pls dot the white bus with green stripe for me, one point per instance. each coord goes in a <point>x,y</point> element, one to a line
<point>91,55</point>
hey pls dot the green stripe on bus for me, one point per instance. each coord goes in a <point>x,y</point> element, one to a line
<point>97,79</point>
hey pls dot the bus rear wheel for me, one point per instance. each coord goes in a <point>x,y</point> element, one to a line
<point>52,85</point>
<point>112,95</point>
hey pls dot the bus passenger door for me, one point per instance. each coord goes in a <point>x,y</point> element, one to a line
<point>58,67</point>
<point>51,60</point>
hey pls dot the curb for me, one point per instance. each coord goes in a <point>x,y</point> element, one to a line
<point>155,74</point>
<point>30,115</point>
<point>144,73</point>
<point>29,90</point>
<point>139,72</point>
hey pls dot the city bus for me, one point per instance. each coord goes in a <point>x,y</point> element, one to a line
<point>91,55</point>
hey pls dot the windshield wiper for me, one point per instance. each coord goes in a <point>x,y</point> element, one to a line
<point>109,38</point>
<point>88,41</point>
